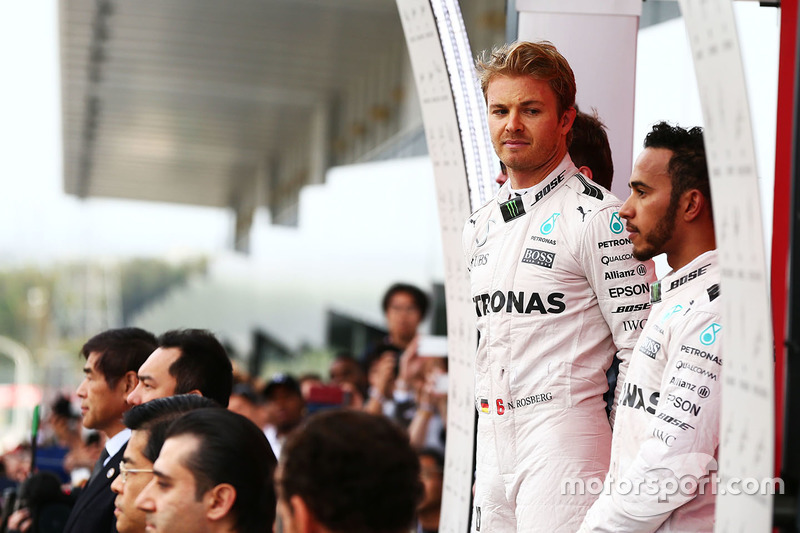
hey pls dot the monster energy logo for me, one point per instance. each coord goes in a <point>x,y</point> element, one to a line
<point>512,209</point>
<point>655,292</point>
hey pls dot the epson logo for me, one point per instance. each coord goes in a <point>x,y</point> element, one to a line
<point>518,302</point>
<point>684,405</point>
<point>613,242</point>
<point>539,257</point>
<point>629,290</point>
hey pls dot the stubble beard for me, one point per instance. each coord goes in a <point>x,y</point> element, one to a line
<point>661,234</point>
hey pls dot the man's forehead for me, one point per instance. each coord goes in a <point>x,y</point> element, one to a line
<point>91,362</point>
<point>523,86</point>
<point>160,360</point>
<point>174,452</point>
<point>137,442</point>
<point>652,163</point>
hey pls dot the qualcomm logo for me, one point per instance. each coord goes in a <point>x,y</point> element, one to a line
<point>709,335</point>
<point>616,225</point>
<point>549,225</point>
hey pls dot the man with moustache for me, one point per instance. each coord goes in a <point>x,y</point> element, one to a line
<point>557,293</point>
<point>667,425</point>
<point>148,424</point>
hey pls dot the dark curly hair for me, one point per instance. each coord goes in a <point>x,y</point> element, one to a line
<point>356,472</point>
<point>687,166</point>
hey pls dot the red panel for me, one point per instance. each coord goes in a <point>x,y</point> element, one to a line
<point>780,220</point>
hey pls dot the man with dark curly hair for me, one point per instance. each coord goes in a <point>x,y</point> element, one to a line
<point>347,472</point>
<point>667,427</point>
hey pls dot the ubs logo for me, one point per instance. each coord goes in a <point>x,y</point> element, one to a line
<point>479,260</point>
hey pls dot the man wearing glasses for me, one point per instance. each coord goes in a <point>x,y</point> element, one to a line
<point>148,424</point>
<point>213,474</point>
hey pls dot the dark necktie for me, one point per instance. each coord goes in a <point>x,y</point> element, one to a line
<point>98,466</point>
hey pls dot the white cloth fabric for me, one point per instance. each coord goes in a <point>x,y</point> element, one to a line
<point>557,293</point>
<point>667,429</point>
<point>276,443</point>
<point>115,443</point>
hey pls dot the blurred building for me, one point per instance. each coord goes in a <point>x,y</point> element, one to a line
<point>238,103</point>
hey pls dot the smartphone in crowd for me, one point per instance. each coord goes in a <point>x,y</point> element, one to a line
<point>326,397</point>
<point>432,346</point>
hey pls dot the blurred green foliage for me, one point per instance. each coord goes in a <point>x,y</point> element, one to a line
<point>145,280</point>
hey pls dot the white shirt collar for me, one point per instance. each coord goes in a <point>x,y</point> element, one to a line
<point>115,443</point>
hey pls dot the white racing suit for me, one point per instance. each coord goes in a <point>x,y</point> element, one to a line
<point>666,433</point>
<point>556,293</point>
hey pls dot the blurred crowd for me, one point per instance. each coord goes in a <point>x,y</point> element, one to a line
<point>100,468</point>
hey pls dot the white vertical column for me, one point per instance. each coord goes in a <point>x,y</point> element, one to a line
<point>598,38</point>
<point>454,115</point>
<point>747,424</point>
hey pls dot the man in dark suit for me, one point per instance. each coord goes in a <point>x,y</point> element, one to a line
<point>112,361</point>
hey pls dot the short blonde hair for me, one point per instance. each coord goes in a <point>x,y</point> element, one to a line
<point>540,60</point>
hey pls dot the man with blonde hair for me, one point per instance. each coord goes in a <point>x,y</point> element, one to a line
<point>557,292</point>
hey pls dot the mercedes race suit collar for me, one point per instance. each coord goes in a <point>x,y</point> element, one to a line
<point>694,272</point>
<point>513,205</point>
